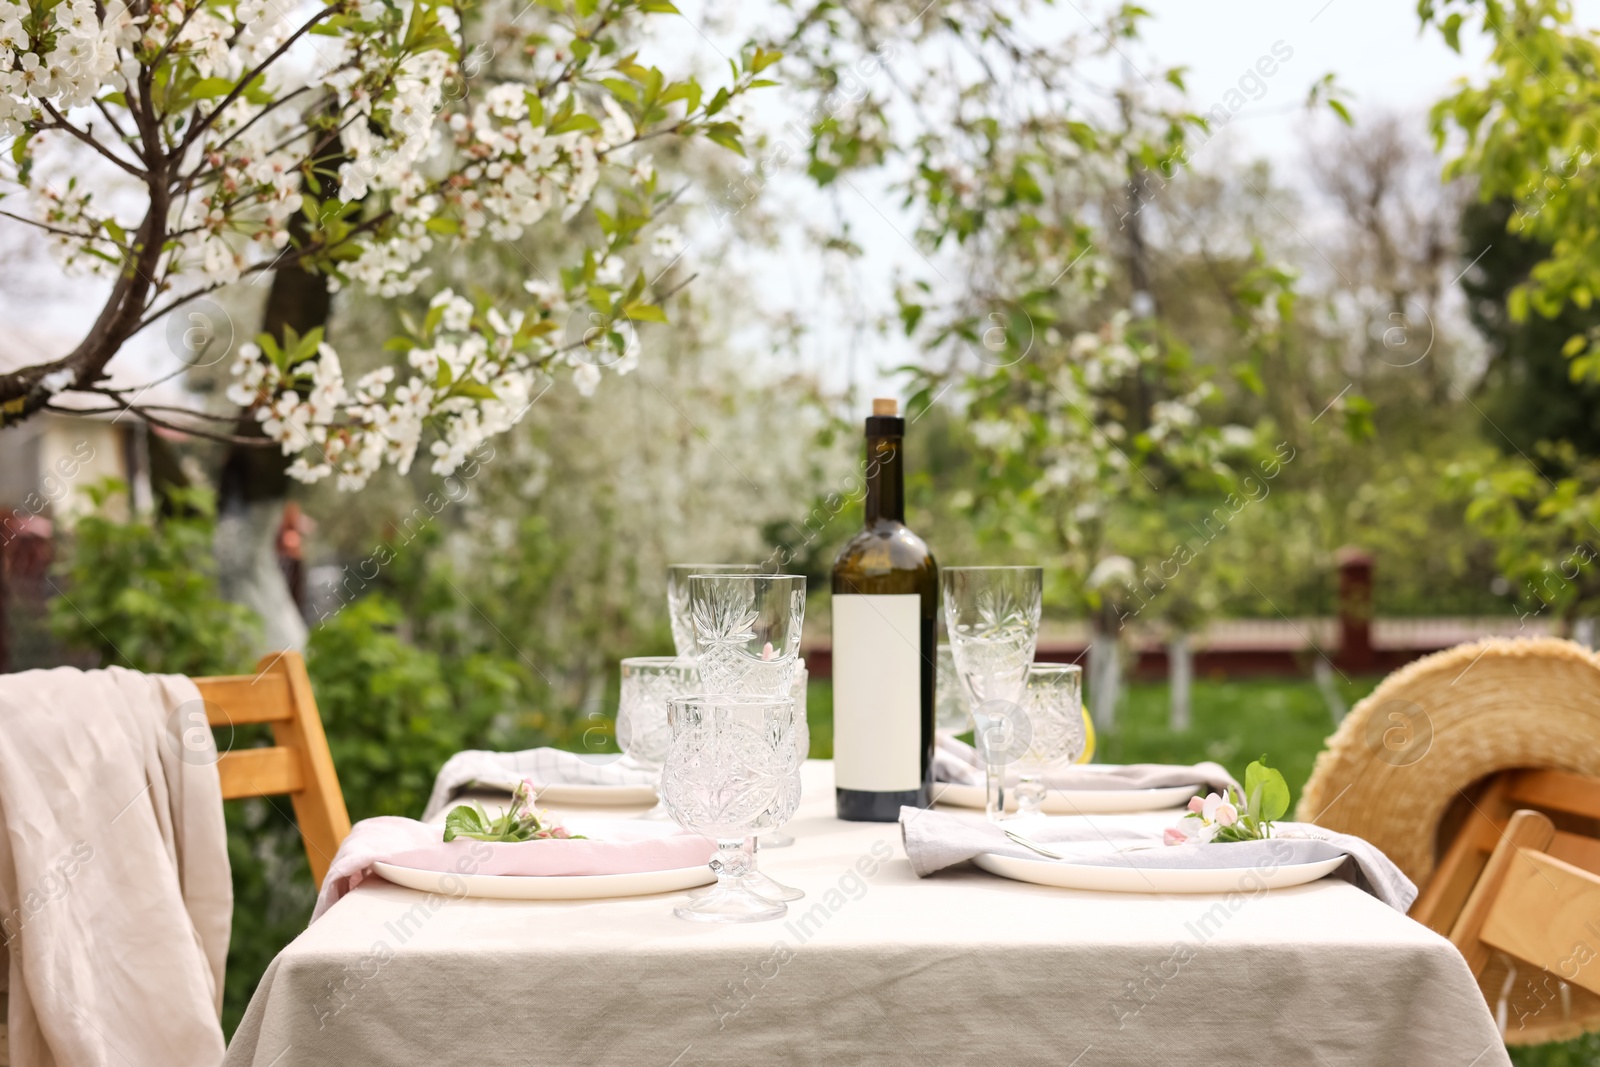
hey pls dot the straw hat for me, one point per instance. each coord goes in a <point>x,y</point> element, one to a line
<point>1433,729</point>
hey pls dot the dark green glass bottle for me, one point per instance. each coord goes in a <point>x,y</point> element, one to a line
<point>885,605</point>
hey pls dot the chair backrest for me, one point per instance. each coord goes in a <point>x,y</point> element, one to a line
<point>298,764</point>
<point>1572,799</point>
<point>1531,905</point>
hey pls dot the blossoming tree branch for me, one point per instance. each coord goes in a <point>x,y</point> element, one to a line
<point>346,139</point>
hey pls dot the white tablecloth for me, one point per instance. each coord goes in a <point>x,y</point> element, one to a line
<point>874,966</point>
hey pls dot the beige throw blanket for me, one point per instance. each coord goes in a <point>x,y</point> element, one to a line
<point>115,896</point>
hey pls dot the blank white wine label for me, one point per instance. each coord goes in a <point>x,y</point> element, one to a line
<point>877,692</point>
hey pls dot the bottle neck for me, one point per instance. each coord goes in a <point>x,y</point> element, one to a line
<point>886,493</point>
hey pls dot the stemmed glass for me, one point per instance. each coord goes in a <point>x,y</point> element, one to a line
<point>648,682</point>
<point>992,616</point>
<point>747,631</point>
<point>731,773</point>
<point>802,749</point>
<point>1054,706</point>
<point>950,714</point>
<point>678,598</point>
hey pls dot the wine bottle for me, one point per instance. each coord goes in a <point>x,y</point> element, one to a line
<point>885,603</point>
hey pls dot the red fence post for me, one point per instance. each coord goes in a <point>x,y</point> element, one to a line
<point>1355,609</point>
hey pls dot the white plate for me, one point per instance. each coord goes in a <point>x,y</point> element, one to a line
<point>568,887</point>
<point>1124,879</point>
<point>596,796</point>
<point>578,794</point>
<point>1076,801</point>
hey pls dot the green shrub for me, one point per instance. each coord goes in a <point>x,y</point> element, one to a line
<point>143,594</point>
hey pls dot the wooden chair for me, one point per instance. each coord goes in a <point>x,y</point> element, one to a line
<point>1533,906</point>
<point>298,764</point>
<point>1481,825</point>
<point>1522,876</point>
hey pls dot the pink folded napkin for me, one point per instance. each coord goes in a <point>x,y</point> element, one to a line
<point>617,846</point>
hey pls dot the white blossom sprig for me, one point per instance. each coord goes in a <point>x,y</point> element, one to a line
<point>348,139</point>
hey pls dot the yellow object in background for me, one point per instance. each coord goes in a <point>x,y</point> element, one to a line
<point>1088,738</point>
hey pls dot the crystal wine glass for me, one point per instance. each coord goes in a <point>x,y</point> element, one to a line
<point>1053,702</point>
<point>648,682</point>
<point>731,772</point>
<point>802,751</point>
<point>950,714</point>
<point>992,616</point>
<point>747,630</point>
<point>678,598</point>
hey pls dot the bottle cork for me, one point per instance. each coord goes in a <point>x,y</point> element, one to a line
<point>885,406</point>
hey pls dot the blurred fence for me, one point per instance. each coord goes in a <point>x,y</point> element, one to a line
<point>1352,641</point>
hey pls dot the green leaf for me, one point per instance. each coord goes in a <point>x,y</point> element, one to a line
<point>1267,784</point>
<point>464,821</point>
<point>475,389</point>
<point>206,88</point>
<point>644,313</point>
<point>622,90</point>
<point>575,122</point>
<point>725,134</point>
<point>1451,29</point>
<point>443,224</point>
<point>1517,304</point>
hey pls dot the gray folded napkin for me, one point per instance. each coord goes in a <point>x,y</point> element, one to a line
<point>936,839</point>
<point>958,762</point>
<point>545,766</point>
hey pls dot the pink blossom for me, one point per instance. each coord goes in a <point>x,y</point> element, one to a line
<point>1196,804</point>
<point>1172,835</point>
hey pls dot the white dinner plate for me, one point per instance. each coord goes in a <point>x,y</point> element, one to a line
<point>566,887</point>
<point>1076,801</point>
<point>1125,879</point>
<point>578,794</point>
<point>597,796</point>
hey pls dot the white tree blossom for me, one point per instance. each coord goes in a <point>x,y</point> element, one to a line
<point>347,139</point>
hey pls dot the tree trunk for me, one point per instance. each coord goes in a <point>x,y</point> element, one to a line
<point>255,485</point>
<point>1105,678</point>
<point>1322,673</point>
<point>1583,631</point>
<point>255,480</point>
<point>1180,672</point>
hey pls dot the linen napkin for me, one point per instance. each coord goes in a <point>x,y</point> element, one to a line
<point>545,766</point>
<point>620,846</point>
<point>935,840</point>
<point>956,761</point>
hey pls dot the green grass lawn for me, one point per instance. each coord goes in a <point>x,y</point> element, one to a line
<point>1233,723</point>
